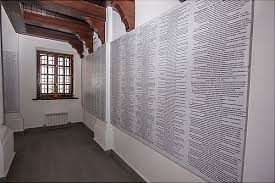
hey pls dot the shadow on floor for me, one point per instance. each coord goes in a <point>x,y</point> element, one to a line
<point>63,155</point>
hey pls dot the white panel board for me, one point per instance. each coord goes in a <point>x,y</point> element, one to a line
<point>94,83</point>
<point>11,82</point>
<point>179,84</point>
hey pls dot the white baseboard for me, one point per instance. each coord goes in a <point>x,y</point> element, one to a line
<point>103,135</point>
<point>14,121</point>
<point>89,120</point>
<point>6,150</point>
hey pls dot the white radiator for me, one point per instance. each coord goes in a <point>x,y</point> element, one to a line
<point>55,119</point>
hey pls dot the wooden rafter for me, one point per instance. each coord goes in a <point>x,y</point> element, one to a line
<point>93,14</point>
<point>88,41</point>
<point>78,8</point>
<point>66,25</point>
<point>77,28</point>
<point>56,35</point>
<point>98,26</point>
<point>80,18</point>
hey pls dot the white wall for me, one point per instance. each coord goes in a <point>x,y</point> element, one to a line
<point>33,111</point>
<point>1,82</point>
<point>97,42</point>
<point>89,119</point>
<point>149,9</point>
<point>259,155</point>
<point>10,43</point>
<point>118,27</point>
<point>6,136</point>
<point>148,163</point>
<point>9,36</point>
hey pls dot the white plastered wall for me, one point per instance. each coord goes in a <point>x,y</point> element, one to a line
<point>10,43</point>
<point>148,9</point>
<point>259,155</point>
<point>33,111</point>
<point>6,136</point>
<point>1,82</point>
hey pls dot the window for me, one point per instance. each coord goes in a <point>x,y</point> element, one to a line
<point>54,75</point>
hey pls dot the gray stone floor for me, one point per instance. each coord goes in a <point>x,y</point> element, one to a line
<point>63,155</point>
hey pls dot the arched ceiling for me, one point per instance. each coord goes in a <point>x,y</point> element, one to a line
<point>72,21</point>
<point>126,9</point>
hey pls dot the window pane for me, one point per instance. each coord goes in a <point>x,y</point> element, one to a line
<point>60,88</point>
<point>67,79</point>
<point>67,62</point>
<point>44,89</point>
<point>50,69</point>
<point>60,70</point>
<point>51,60</point>
<point>60,61</point>
<point>55,68</point>
<point>43,69</point>
<point>67,89</point>
<point>51,88</point>
<point>60,79</point>
<point>43,58</point>
<point>43,79</point>
<point>67,70</point>
<point>50,79</point>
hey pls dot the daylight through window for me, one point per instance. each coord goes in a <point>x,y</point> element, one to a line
<point>54,75</point>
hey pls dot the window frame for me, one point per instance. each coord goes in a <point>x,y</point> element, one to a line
<point>48,96</point>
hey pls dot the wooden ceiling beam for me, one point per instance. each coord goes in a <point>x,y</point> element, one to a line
<point>32,17</point>
<point>77,46</point>
<point>56,35</point>
<point>98,26</point>
<point>88,41</point>
<point>83,31</point>
<point>75,8</point>
<point>93,14</point>
<point>126,9</point>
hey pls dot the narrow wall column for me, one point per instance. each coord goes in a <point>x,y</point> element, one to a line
<point>6,136</point>
<point>109,37</point>
<point>103,131</point>
<point>1,79</point>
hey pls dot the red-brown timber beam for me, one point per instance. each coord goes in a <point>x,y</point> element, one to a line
<point>56,35</point>
<point>83,31</point>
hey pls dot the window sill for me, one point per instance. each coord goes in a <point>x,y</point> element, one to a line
<point>56,98</point>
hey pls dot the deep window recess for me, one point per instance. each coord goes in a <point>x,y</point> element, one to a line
<point>54,75</point>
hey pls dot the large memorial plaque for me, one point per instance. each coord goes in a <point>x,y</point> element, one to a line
<point>11,82</point>
<point>179,84</point>
<point>94,85</point>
